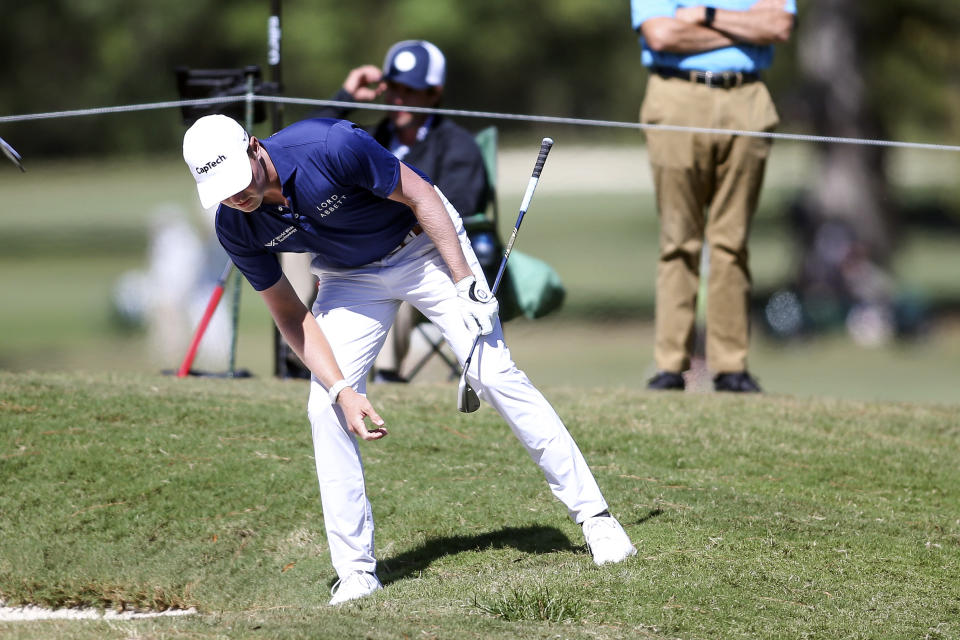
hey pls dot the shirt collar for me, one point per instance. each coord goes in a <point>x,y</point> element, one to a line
<point>399,149</point>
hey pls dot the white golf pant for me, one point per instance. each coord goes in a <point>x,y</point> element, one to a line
<point>355,308</point>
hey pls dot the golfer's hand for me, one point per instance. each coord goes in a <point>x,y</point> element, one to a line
<point>477,305</point>
<point>364,83</point>
<point>356,407</point>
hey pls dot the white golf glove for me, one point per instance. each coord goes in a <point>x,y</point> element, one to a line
<point>477,304</point>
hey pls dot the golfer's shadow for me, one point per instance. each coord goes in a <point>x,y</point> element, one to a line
<point>532,539</point>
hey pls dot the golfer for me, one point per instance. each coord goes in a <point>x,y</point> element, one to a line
<point>379,234</point>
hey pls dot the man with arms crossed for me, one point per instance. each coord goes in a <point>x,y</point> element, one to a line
<point>705,64</point>
<point>380,234</point>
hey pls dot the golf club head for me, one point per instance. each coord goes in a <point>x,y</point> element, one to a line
<point>11,153</point>
<point>467,400</point>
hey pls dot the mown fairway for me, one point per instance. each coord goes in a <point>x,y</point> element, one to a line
<point>62,254</point>
<point>760,517</point>
<point>813,514</point>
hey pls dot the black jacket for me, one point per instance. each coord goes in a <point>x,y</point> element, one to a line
<point>448,154</point>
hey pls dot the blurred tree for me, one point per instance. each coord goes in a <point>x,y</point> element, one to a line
<point>74,55</point>
<point>574,58</point>
<point>850,184</point>
<point>566,58</point>
<point>875,71</point>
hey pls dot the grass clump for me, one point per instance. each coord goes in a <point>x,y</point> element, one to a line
<point>537,603</point>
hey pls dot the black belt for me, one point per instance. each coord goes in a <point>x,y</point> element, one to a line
<point>413,233</point>
<point>714,79</point>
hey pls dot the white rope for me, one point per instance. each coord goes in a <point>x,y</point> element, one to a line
<point>96,111</point>
<point>481,114</point>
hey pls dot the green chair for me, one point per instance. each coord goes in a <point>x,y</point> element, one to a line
<point>487,141</point>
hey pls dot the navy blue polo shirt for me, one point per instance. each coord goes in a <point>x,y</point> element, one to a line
<point>337,179</point>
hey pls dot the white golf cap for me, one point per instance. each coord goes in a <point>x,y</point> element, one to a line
<point>215,149</point>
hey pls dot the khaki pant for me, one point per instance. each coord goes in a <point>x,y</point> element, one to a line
<point>707,187</point>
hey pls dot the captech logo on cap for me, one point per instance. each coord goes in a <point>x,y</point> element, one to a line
<point>217,150</point>
<point>210,165</point>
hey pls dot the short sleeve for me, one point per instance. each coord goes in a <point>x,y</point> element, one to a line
<point>355,158</point>
<point>261,268</point>
<point>643,10</point>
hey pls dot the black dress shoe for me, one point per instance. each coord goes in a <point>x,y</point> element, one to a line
<point>739,382</point>
<point>666,380</point>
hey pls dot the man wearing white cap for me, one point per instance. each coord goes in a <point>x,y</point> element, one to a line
<point>380,234</point>
<point>414,74</point>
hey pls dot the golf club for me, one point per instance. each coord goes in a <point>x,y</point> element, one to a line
<point>467,399</point>
<point>11,153</point>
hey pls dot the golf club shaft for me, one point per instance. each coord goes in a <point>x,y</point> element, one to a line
<point>545,146</point>
<point>12,154</point>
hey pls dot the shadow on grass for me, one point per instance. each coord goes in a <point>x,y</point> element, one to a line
<point>533,539</point>
<point>653,513</point>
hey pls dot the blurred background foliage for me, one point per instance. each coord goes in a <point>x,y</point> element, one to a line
<point>574,58</point>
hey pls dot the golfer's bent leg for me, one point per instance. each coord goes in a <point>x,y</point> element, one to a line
<point>355,338</point>
<point>496,379</point>
<point>538,427</point>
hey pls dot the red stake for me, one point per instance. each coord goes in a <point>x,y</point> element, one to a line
<point>184,370</point>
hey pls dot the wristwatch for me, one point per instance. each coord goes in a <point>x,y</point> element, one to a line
<point>709,15</point>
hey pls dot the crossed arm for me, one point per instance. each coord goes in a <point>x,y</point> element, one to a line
<point>765,22</point>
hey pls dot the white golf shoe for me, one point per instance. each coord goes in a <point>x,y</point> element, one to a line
<point>607,540</point>
<point>356,585</point>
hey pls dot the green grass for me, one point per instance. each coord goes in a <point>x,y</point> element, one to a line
<point>69,230</point>
<point>759,517</point>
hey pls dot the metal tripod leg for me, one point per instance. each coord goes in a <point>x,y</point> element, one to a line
<point>435,348</point>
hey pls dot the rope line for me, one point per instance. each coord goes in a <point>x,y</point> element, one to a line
<point>491,115</point>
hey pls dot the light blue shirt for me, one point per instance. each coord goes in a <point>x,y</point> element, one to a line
<point>743,57</point>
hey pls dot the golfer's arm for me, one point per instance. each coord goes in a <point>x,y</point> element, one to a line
<point>299,328</point>
<point>416,193</point>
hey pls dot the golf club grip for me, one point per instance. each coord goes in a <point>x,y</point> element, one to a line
<point>545,146</point>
